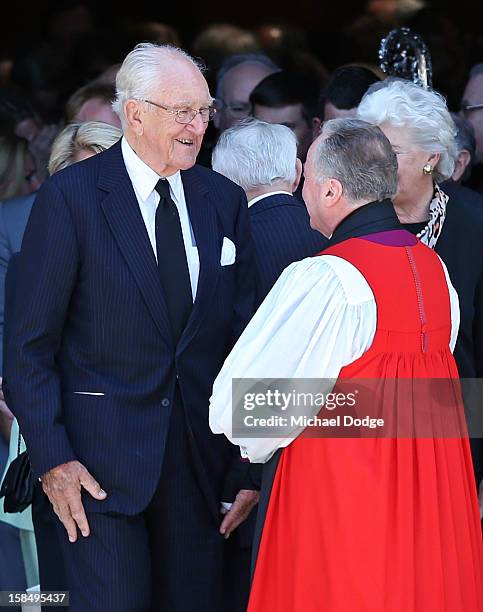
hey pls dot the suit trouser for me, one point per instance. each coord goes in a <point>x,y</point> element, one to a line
<point>167,559</point>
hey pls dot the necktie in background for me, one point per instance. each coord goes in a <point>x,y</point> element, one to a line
<point>172,262</point>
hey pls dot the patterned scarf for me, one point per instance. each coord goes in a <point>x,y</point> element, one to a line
<point>437,214</point>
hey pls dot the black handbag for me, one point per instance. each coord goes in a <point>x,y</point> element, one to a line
<point>18,484</point>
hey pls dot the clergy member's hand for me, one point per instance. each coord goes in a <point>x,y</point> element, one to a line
<point>239,511</point>
<point>63,485</point>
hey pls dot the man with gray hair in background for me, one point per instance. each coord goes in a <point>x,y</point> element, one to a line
<point>262,158</point>
<point>236,79</point>
<point>472,110</point>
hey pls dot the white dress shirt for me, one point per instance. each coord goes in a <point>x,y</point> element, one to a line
<point>144,180</point>
<point>266,195</point>
<point>320,316</point>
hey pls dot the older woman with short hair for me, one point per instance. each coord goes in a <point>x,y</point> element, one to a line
<point>422,133</point>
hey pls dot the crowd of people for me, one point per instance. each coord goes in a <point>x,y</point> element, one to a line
<point>169,226</point>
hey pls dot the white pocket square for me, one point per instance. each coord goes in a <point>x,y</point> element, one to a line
<point>228,252</point>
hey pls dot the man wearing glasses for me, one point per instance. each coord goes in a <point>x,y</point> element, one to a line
<point>236,79</point>
<point>472,110</point>
<point>135,279</point>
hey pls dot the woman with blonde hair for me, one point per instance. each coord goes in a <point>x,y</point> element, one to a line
<point>79,141</point>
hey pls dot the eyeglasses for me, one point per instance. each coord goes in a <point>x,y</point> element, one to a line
<point>186,115</point>
<point>238,110</point>
<point>470,107</point>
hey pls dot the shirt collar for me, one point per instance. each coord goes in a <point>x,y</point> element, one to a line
<point>144,178</point>
<point>266,195</point>
<point>368,219</point>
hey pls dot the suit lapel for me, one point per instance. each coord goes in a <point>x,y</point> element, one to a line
<point>205,228</point>
<point>122,212</point>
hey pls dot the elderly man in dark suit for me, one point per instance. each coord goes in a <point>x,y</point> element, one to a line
<point>135,277</point>
<point>262,158</point>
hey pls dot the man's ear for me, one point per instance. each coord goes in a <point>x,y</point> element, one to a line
<point>462,162</point>
<point>333,192</point>
<point>134,116</point>
<point>298,174</point>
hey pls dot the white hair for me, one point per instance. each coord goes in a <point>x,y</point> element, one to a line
<point>141,72</point>
<point>254,153</point>
<point>422,112</point>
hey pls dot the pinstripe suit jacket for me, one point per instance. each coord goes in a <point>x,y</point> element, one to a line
<point>281,234</point>
<point>92,363</point>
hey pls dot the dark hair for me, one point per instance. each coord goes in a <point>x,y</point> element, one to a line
<point>94,89</point>
<point>286,88</point>
<point>347,85</point>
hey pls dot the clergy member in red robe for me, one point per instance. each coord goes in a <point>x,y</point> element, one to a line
<point>379,523</point>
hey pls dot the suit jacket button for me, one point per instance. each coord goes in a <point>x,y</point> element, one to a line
<point>165,402</point>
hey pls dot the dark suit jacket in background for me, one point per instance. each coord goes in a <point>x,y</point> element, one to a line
<point>281,234</point>
<point>14,214</point>
<point>460,246</point>
<point>91,317</point>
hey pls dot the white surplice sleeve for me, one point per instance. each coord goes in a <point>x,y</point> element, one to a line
<point>319,317</point>
<point>455,308</point>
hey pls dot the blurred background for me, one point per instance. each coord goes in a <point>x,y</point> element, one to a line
<point>54,47</point>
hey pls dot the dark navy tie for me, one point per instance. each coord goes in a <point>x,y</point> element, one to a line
<point>172,262</point>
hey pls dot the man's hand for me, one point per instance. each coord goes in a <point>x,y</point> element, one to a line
<point>239,511</point>
<point>63,485</point>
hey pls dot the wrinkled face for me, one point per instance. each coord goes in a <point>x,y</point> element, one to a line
<point>164,144</point>
<point>473,95</point>
<point>97,110</point>
<point>410,161</point>
<point>238,84</point>
<point>293,118</point>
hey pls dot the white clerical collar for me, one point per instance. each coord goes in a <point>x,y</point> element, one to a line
<point>266,195</point>
<point>144,178</point>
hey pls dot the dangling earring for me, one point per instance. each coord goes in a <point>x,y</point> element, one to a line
<point>427,169</point>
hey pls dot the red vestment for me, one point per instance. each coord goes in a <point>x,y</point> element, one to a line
<point>379,524</point>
